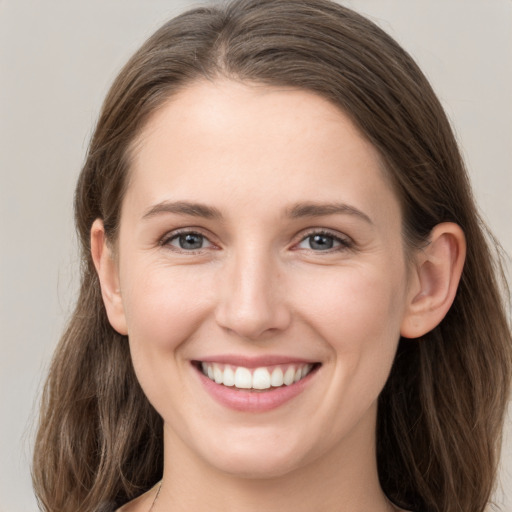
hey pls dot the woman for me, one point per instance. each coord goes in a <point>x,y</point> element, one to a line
<point>288,301</point>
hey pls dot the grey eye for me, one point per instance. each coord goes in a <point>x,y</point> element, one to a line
<point>189,241</point>
<point>321,242</point>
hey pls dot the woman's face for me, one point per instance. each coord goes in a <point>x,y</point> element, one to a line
<point>260,242</point>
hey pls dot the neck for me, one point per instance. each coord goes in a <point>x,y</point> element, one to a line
<point>345,479</point>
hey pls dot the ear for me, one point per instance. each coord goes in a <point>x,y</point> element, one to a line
<point>108,274</point>
<point>435,279</point>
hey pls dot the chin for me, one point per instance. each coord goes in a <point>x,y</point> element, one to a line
<point>256,458</point>
<point>256,467</point>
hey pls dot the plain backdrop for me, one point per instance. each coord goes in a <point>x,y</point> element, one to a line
<point>57,59</point>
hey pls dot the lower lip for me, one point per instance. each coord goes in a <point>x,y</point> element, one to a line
<point>254,401</point>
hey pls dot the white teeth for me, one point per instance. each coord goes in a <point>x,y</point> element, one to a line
<point>289,375</point>
<point>218,374</point>
<point>305,370</point>
<point>259,378</point>
<point>277,377</point>
<point>229,377</point>
<point>243,378</point>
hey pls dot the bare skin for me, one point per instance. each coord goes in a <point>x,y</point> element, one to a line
<point>298,252</point>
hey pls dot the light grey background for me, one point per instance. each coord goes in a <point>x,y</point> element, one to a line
<point>57,59</point>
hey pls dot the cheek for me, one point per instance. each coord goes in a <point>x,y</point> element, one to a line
<point>358,315</point>
<point>164,305</point>
<point>354,308</point>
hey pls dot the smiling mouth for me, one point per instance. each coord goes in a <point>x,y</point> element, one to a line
<point>263,378</point>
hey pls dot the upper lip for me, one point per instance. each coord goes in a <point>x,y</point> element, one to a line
<point>254,362</point>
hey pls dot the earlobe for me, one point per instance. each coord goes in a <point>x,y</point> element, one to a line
<point>108,275</point>
<point>437,271</point>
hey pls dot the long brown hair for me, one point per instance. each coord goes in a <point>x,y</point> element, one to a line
<point>441,412</point>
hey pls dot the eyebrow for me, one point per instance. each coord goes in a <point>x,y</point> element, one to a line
<point>300,210</point>
<point>321,209</point>
<point>183,208</point>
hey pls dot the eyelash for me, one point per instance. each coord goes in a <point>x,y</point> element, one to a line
<point>175,235</point>
<point>344,243</point>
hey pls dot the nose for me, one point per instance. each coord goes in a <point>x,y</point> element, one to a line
<point>252,302</point>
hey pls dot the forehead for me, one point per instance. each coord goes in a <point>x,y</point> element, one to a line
<point>223,139</point>
<point>258,112</point>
